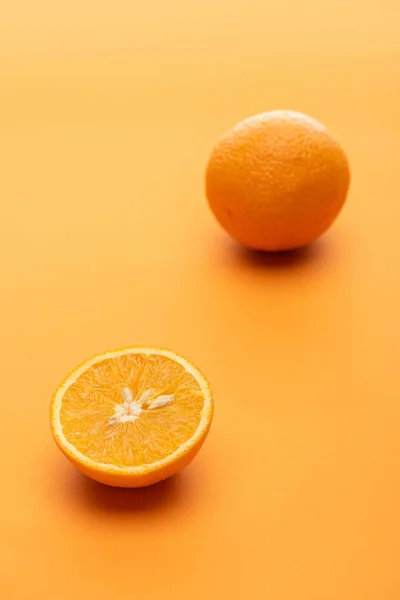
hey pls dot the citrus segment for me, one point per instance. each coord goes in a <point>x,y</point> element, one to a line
<point>133,416</point>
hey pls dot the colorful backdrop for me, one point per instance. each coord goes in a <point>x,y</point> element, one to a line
<point>108,111</point>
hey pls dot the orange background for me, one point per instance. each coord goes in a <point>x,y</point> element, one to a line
<point>108,113</point>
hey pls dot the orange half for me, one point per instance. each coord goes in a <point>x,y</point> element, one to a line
<point>132,417</point>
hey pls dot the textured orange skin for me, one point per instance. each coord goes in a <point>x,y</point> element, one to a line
<point>277,181</point>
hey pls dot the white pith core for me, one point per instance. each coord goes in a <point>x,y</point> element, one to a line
<point>131,409</point>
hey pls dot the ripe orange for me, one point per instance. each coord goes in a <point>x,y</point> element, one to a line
<point>132,417</point>
<point>277,180</point>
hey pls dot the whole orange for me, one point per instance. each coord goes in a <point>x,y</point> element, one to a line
<point>277,180</point>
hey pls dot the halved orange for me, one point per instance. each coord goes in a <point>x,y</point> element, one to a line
<point>132,417</point>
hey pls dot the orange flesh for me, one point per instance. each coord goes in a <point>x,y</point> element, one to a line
<point>89,411</point>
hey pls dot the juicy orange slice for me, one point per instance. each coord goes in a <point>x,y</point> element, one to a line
<point>132,417</point>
